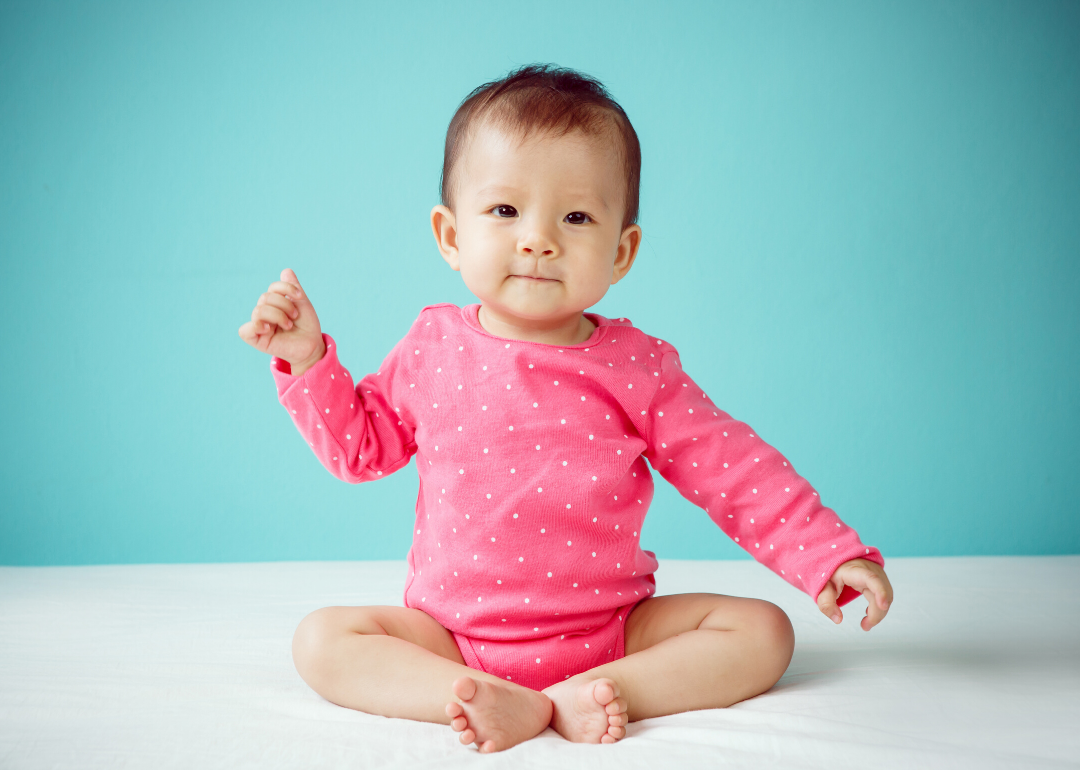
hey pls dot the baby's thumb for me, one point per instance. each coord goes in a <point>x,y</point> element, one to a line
<point>289,276</point>
<point>826,602</point>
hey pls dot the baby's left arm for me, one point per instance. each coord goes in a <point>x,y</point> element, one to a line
<point>867,578</point>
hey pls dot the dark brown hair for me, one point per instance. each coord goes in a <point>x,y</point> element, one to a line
<point>545,98</point>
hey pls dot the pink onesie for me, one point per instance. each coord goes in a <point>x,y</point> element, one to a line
<point>534,485</point>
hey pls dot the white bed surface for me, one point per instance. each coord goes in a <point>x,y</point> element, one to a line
<point>159,666</point>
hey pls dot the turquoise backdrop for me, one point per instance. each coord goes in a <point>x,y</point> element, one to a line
<point>862,232</point>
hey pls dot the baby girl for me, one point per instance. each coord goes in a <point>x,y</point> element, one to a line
<point>529,601</point>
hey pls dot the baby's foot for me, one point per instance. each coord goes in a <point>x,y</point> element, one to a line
<point>497,716</point>
<point>588,711</point>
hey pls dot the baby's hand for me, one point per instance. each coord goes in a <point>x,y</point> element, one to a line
<point>284,324</point>
<point>866,577</point>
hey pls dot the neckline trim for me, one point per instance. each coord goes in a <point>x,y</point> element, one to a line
<point>471,315</point>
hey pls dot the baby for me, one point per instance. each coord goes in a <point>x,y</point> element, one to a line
<point>529,600</point>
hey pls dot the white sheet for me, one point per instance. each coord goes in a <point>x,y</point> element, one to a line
<point>160,666</point>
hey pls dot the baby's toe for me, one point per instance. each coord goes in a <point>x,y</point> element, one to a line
<point>617,720</point>
<point>615,733</point>
<point>459,724</point>
<point>604,691</point>
<point>606,738</point>
<point>464,687</point>
<point>488,747</point>
<point>467,737</point>
<point>454,710</point>
<point>617,706</point>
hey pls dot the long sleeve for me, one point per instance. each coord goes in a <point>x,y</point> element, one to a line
<point>355,432</point>
<point>746,486</point>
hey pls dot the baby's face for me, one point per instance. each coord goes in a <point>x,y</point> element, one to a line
<point>537,231</point>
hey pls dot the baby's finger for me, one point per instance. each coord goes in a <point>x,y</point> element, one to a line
<point>882,591</point>
<point>285,289</point>
<point>874,613</point>
<point>289,276</point>
<point>279,301</point>
<point>826,602</point>
<point>271,314</point>
<point>249,333</point>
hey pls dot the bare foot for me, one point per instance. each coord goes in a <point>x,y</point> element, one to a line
<point>588,711</point>
<point>497,716</point>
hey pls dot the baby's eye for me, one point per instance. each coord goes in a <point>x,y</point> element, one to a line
<point>573,217</point>
<point>505,212</point>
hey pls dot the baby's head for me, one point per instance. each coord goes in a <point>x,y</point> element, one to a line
<point>540,181</point>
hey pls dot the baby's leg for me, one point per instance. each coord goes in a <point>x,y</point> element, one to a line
<point>683,652</point>
<point>400,662</point>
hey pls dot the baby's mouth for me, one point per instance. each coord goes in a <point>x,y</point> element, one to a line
<point>531,278</point>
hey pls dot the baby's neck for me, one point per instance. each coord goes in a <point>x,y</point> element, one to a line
<point>572,331</point>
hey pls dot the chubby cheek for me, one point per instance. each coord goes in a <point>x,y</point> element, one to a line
<point>483,276</point>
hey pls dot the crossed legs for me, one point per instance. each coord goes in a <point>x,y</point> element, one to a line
<point>682,652</point>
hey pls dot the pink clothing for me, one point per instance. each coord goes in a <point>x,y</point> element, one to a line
<point>541,662</point>
<point>533,475</point>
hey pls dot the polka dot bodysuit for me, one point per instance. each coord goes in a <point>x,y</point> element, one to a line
<point>534,482</point>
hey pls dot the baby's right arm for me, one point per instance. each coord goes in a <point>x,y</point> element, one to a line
<point>354,431</point>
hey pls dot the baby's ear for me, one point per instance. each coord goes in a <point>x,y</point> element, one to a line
<point>444,228</point>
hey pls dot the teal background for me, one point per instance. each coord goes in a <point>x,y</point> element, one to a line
<point>862,232</point>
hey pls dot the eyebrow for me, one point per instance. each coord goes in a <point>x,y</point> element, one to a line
<point>496,190</point>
